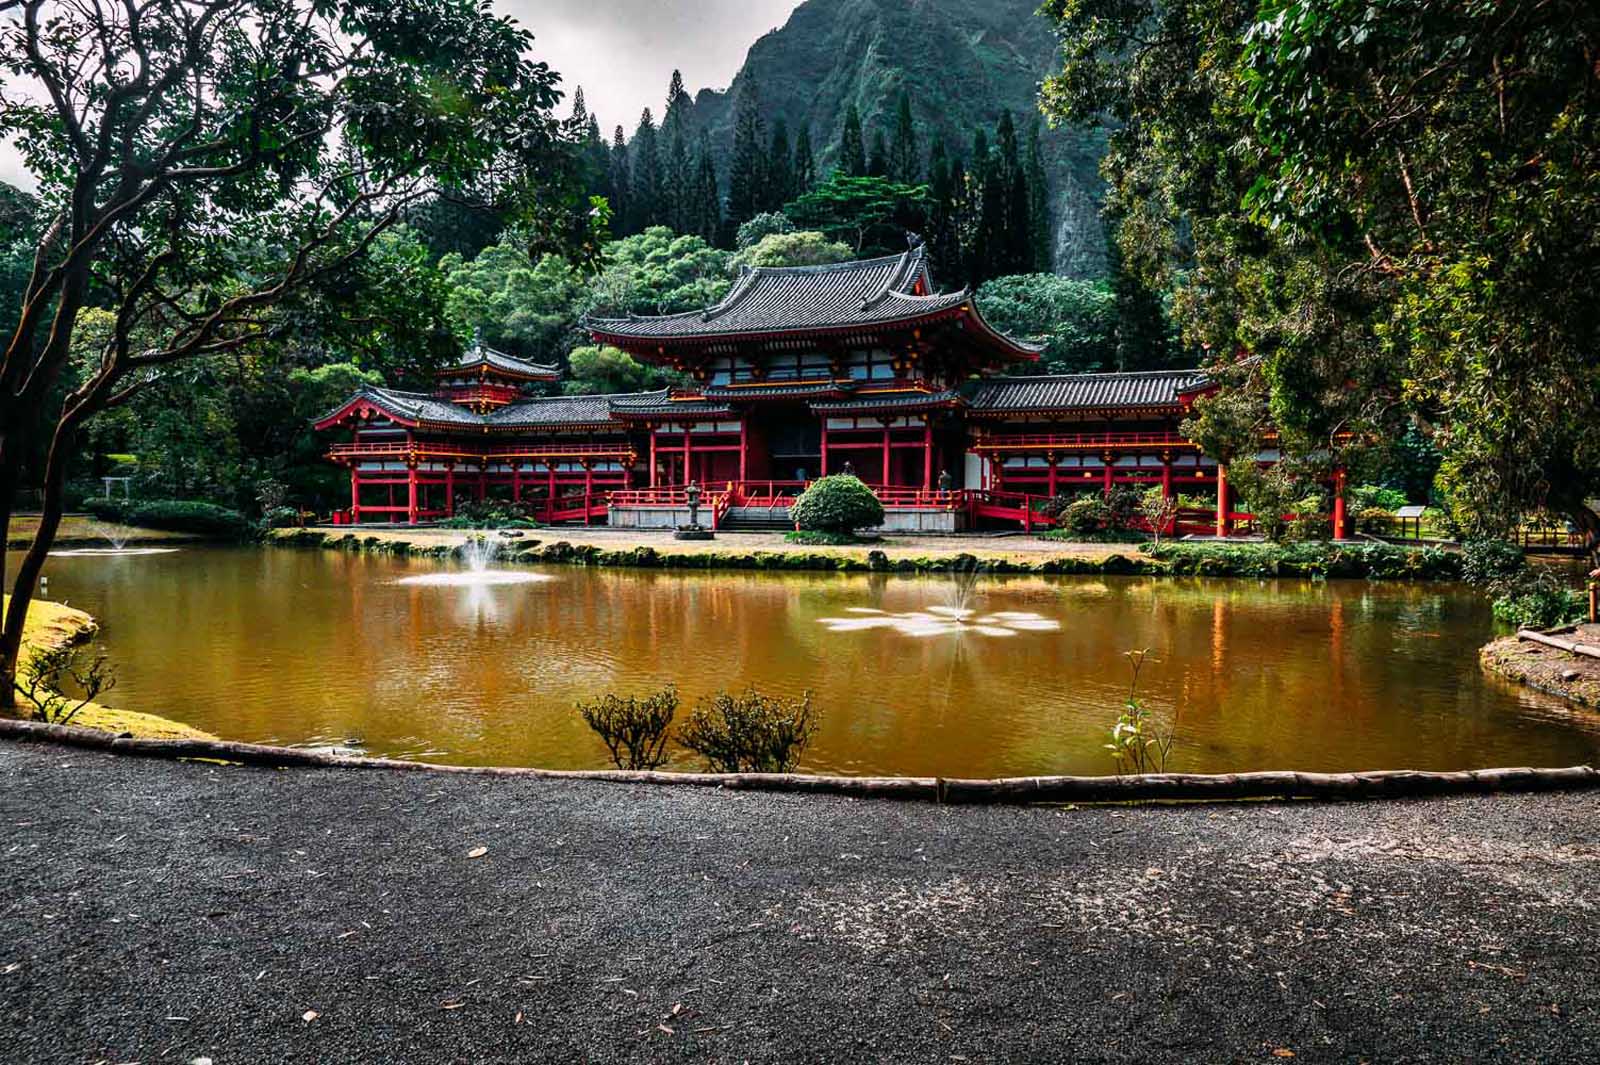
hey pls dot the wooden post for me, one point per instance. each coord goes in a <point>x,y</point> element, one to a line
<point>1166,478</point>
<point>516,481</point>
<point>1594,597</point>
<point>1027,513</point>
<point>588,489</point>
<point>411,493</point>
<point>1339,515</point>
<point>550,499</point>
<point>450,490</point>
<point>1055,474</point>
<point>652,456</point>
<point>927,453</point>
<point>355,495</point>
<point>744,448</point>
<point>886,481</point>
<point>1222,500</point>
<point>1110,467</point>
<point>824,471</point>
<point>688,449</point>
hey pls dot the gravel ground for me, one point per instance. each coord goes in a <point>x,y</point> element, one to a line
<point>161,912</point>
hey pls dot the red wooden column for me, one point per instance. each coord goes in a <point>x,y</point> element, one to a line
<point>411,493</point>
<point>824,471</point>
<point>516,481</point>
<point>1055,473</point>
<point>1110,466</point>
<point>744,448</point>
<point>355,494</point>
<point>450,490</point>
<point>688,450</point>
<point>588,489</point>
<point>1339,508</point>
<point>652,456</point>
<point>927,454</point>
<point>1166,477</point>
<point>1222,500</point>
<point>550,499</point>
<point>886,479</point>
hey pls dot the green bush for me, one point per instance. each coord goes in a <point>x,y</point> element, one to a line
<point>1364,497</point>
<point>1375,520</point>
<point>1537,601</point>
<point>1488,562</point>
<point>840,503</point>
<point>173,515</point>
<point>750,732</point>
<point>1309,559</point>
<point>1086,515</point>
<point>634,730</point>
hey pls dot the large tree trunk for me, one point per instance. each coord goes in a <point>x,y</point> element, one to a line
<point>27,578</point>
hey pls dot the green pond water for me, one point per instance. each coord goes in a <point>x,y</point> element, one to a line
<point>301,647</point>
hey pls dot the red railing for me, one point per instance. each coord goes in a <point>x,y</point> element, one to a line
<point>921,498</point>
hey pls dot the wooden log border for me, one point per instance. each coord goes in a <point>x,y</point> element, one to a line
<point>1550,640</point>
<point>1151,787</point>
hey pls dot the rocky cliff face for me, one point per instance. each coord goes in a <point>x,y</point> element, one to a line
<point>961,61</point>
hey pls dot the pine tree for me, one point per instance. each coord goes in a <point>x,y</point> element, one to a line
<point>580,111</point>
<point>706,216</point>
<point>645,193</point>
<point>747,166</point>
<point>904,160</point>
<point>977,212</point>
<point>677,170</point>
<point>878,161</point>
<point>805,167</point>
<point>1038,203</point>
<point>621,186</point>
<point>852,149</point>
<point>779,186</point>
<point>944,242</point>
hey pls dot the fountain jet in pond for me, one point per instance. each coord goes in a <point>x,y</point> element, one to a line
<point>117,536</point>
<point>478,553</point>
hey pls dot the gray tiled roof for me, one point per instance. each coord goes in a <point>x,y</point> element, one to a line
<point>768,299</point>
<point>557,410</point>
<point>527,413</point>
<point>883,401</point>
<point>1095,391</point>
<point>775,388</point>
<point>651,404</point>
<point>417,406</point>
<point>479,354</point>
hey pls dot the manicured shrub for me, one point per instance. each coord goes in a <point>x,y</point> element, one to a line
<point>633,729</point>
<point>750,732</point>
<point>173,515</point>
<point>1086,514</point>
<point>1312,559</point>
<point>840,504</point>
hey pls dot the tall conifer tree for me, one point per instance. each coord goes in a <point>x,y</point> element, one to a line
<point>944,242</point>
<point>621,185</point>
<point>1038,202</point>
<point>779,186</point>
<point>878,161</point>
<point>677,169</point>
<point>852,148</point>
<point>747,170</point>
<point>905,162</point>
<point>646,191</point>
<point>706,216</point>
<point>805,166</point>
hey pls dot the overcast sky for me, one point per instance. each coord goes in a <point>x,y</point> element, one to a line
<point>622,52</point>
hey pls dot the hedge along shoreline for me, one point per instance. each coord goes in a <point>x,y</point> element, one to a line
<point>1376,561</point>
<point>1155,787</point>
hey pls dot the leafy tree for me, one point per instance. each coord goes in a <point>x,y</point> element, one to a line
<point>852,148</point>
<point>1078,317</point>
<point>905,159</point>
<point>779,187</point>
<point>793,249</point>
<point>603,370</point>
<point>761,226</point>
<point>201,166</point>
<point>524,308</point>
<point>657,272</point>
<point>870,214</point>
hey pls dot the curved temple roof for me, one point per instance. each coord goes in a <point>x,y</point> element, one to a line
<point>418,409</point>
<point>891,289</point>
<point>1097,391</point>
<point>480,354</point>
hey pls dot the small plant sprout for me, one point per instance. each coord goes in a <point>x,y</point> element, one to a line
<point>44,674</point>
<point>1138,743</point>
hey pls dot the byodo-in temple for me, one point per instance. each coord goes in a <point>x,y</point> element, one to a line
<point>798,372</point>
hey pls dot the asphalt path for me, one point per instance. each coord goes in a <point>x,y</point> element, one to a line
<point>159,912</point>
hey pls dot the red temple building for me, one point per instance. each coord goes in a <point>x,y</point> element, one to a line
<point>797,373</point>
